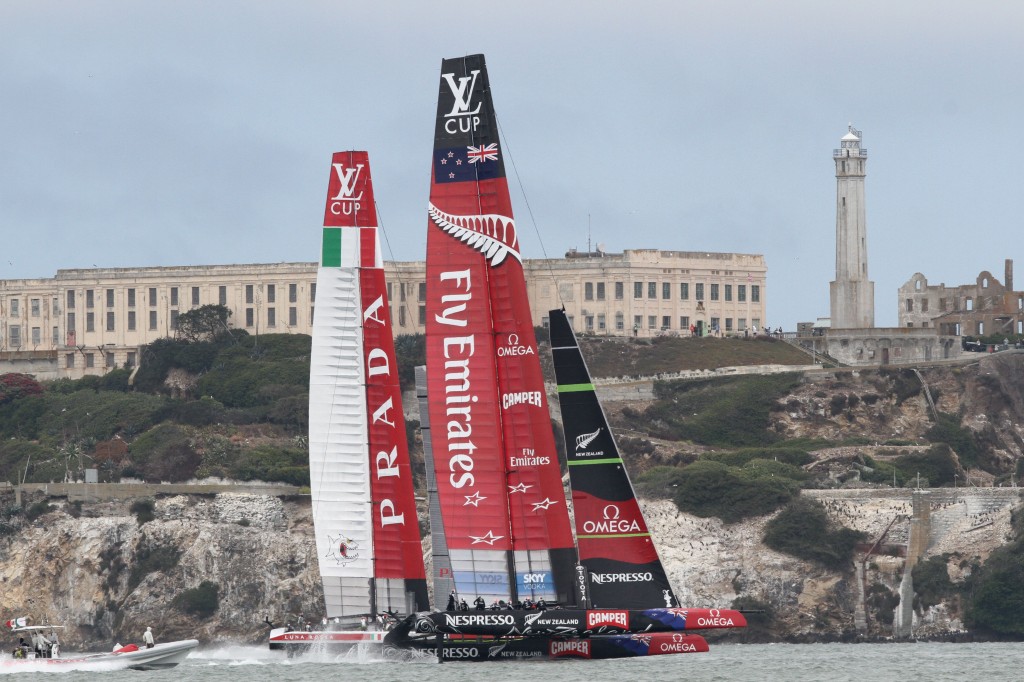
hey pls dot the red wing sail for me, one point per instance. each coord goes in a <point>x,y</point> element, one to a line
<point>357,428</point>
<point>498,476</point>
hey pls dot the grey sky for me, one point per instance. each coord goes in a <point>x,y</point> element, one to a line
<point>143,133</point>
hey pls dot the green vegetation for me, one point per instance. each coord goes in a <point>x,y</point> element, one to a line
<point>804,530</point>
<point>881,603</point>
<point>996,602</point>
<point>202,601</point>
<point>707,488</point>
<point>143,510</point>
<point>931,582</point>
<point>410,352</point>
<point>728,412</point>
<point>936,467</point>
<point>616,356</point>
<point>905,383</point>
<point>37,510</point>
<point>948,430</point>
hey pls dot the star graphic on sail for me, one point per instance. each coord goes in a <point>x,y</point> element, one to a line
<point>475,499</point>
<point>489,539</point>
<point>521,488</point>
<point>544,504</point>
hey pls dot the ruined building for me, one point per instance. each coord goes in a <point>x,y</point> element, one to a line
<point>980,309</point>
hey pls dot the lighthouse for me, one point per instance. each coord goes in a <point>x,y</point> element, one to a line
<point>851,295</point>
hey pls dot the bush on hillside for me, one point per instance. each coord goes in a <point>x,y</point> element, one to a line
<point>787,455</point>
<point>996,601</point>
<point>931,583</point>
<point>410,352</point>
<point>274,464</point>
<point>804,530</point>
<point>158,559</point>
<point>708,488</point>
<point>164,453</point>
<point>16,386</point>
<point>729,412</point>
<point>143,510</point>
<point>948,430</point>
<point>22,418</point>
<point>658,482</point>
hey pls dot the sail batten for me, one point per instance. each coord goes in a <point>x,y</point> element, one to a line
<point>364,515</point>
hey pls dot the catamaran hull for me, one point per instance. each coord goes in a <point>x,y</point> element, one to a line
<point>573,622</point>
<point>598,647</point>
<point>299,642</point>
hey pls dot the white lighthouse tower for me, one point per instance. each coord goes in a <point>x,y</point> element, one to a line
<point>852,295</point>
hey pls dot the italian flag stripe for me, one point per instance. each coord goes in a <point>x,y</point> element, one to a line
<point>331,256</point>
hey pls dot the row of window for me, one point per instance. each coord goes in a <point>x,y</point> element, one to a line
<point>596,291</point>
<point>89,360</point>
<point>598,323</point>
<point>968,303</point>
<point>250,321</point>
<point>14,336</point>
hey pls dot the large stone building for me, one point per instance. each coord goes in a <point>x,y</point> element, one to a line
<point>980,309</point>
<point>88,321</point>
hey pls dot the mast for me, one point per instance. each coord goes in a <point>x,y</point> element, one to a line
<point>498,476</point>
<point>615,545</point>
<point>367,533</point>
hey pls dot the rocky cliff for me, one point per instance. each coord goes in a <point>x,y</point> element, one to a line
<point>106,570</point>
<point>97,570</point>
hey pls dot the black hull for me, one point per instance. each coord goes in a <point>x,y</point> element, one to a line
<point>546,649</point>
<point>564,623</point>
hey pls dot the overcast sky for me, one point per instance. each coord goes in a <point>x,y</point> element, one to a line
<point>144,133</point>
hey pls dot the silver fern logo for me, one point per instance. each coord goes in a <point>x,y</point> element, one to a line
<point>492,235</point>
<point>586,439</point>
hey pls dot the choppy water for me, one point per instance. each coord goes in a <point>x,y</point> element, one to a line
<point>725,662</point>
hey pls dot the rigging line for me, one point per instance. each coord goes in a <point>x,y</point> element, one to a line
<point>405,304</point>
<point>529,209</point>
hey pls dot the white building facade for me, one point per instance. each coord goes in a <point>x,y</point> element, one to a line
<point>89,321</point>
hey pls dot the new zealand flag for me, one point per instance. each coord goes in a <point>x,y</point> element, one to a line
<point>458,164</point>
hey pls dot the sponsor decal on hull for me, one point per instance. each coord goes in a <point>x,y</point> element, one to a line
<point>579,648</point>
<point>488,619</point>
<point>607,619</point>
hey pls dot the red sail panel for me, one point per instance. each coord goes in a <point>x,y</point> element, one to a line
<point>396,532</point>
<point>471,231</point>
<point>612,530</point>
<point>350,192</point>
<point>537,498</point>
<point>468,456</point>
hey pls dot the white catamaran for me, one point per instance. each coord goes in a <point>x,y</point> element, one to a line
<point>364,513</point>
